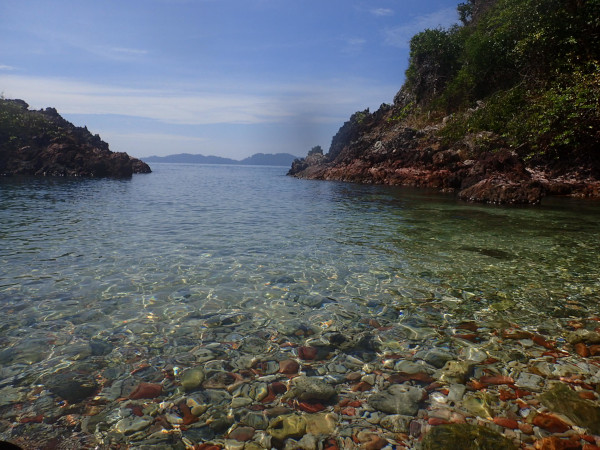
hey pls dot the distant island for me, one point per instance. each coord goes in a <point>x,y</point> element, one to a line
<point>258,159</point>
<point>43,143</point>
<point>500,109</point>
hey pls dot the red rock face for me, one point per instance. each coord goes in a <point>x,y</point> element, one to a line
<point>373,149</point>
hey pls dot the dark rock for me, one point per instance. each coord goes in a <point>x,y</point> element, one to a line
<point>100,348</point>
<point>42,143</point>
<point>71,386</point>
<point>498,190</point>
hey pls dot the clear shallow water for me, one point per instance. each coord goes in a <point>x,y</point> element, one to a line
<point>164,251</point>
<point>123,281</point>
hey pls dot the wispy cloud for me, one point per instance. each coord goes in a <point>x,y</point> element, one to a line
<point>353,45</point>
<point>212,103</point>
<point>5,67</point>
<point>382,12</point>
<point>128,51</point>
<point>401,35</point>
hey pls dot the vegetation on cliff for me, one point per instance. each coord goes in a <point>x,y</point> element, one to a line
<point>533,64</point>
<point>503,108</point>
<point>44,143</point>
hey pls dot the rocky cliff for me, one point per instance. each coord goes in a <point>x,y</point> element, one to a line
<point>501,109</point>
<point>42,143</point>
<point>379,148</point>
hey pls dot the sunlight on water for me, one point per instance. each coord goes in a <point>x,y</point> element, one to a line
<point>198,254</point>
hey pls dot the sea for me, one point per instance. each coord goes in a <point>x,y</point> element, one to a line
<point>159,259</point>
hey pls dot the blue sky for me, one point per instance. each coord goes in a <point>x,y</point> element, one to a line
<point>216,77</point>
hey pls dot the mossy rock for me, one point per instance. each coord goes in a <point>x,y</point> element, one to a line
<point>563,400</point>
<point>462,436</point>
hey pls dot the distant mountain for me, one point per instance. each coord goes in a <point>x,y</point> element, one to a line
<point>258,159</point>
<point>188,158</point>
<point>263,159</point>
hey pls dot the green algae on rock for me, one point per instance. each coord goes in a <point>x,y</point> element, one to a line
<point>462,436</point>
<point>562,400</point>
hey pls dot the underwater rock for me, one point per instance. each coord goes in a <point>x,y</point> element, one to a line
<point>398,399</point>
<point>291,426</point>
<point>462,436</point>
<point>71,386</point>
<point>562,400</point>
<point>192,378</point>
<point>310,388</point>
<point>396,423</point>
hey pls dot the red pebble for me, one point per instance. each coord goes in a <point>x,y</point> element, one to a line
<point>136,410</point>
<point>490,360</point>
<point>539,340</point>
<point>589,395</point>
<point>242,434</point>
<point>206,447</point>
<point>146,390</point>
<point>37,419</point>
<point>310,407</point>
<point>594,350</point>
<point>522,393</point>
<point>188,417</point>
<point>507,395</point>
<point>331,444</point>
<point>496,379</point>
<point>374,323</point>
<point>516,334</point>
<point>402,377</point>
<point>475,385</point>
<point>348,411</point>
<point>506,422</point>
<point>550,423</point>
<point>556,443</point>
<point>470,326</point>
<point>361,387</point>
<point>582,350</point>
<point>307,353</point>
<point>374,443</point>
<point>526,428</point>
<point>437,421</point>
<point>289,367</point>
<point>467,337</point>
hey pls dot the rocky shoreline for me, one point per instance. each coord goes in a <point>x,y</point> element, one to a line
<point>378,149</point>
<point>372,384</point>
<point>42,143</point>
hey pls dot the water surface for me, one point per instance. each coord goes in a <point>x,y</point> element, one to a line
<point>118,272</point>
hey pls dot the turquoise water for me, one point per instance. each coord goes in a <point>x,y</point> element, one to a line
<point>154,258</point>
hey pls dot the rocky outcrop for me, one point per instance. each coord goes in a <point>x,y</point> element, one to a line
<point>379,148</point>
<point>42,143</point>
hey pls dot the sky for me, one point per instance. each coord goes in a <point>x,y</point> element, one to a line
<point>215,77</point>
